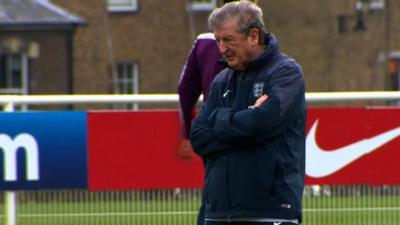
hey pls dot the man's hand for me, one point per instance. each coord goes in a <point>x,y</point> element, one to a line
<point>185,150</point>
<point>261,100</point>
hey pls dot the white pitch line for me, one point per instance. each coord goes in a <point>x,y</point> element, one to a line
<point>352,209</point>
<point>106,214</point>
<point>189,212</point>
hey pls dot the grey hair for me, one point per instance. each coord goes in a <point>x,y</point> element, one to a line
<point>247,14</point>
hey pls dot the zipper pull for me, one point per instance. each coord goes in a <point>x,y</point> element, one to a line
<point>226,93</point>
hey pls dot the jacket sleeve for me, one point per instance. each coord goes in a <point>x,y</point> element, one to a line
<point>285,102</point>
<point>189,90</point>
<point>204,140</point>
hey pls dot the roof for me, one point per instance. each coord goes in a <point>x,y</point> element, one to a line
<point>35,12</point>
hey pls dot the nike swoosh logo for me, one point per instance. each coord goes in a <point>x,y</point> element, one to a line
<point>321,163</point>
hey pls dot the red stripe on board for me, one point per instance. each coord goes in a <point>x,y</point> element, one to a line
<point>137,150</point>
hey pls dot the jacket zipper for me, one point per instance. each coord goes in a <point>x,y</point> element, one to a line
<point>235,102</point>
<point>231,103</point>
<point>227,188</point>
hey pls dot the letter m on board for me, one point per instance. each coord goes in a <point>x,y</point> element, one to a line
<point>10,146</point>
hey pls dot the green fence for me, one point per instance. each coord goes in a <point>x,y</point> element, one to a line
<point>344,205</point>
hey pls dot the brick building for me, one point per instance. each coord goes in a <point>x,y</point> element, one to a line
<point>35,47</point>
<point>140,46</point>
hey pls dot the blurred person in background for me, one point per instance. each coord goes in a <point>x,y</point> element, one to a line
<point>251,130</point>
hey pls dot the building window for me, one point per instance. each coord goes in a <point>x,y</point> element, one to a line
<point>200,5</point>
<point>126,81</point>
<point>13,74</point>
<point>370,5</point>
<point>122,5</point>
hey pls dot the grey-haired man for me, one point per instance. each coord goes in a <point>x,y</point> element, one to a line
<point>251,131</point>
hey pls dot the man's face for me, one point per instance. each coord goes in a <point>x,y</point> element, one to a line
<point>237,48</point>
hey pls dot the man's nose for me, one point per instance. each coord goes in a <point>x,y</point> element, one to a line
<point>222,48</point>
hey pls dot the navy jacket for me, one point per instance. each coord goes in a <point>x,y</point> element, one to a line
<point>255,156</point>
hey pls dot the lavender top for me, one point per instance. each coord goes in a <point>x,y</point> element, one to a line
<point>199,71</point>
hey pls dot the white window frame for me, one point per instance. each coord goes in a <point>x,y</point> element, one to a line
<point>24,75</point>
<point>122,5</point>
<point>395,55</point>
<point>372,5</point>
<point>122,77</point>
<point>377,5</point>
<point>203,6</point>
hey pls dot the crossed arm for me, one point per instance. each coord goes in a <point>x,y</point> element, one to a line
<point>216,128</point>
<point>205,139</point>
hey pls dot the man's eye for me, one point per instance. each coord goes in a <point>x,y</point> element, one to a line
<point>228,40</point>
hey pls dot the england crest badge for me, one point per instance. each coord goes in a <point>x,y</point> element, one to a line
<point>258,89</point>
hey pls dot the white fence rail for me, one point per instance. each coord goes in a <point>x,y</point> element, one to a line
<point>173,98</point>
<point>334,205</point>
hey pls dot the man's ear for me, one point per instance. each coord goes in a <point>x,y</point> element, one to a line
<point>254,36</point>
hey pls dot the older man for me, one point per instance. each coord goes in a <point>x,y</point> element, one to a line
<point>251,131</point>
